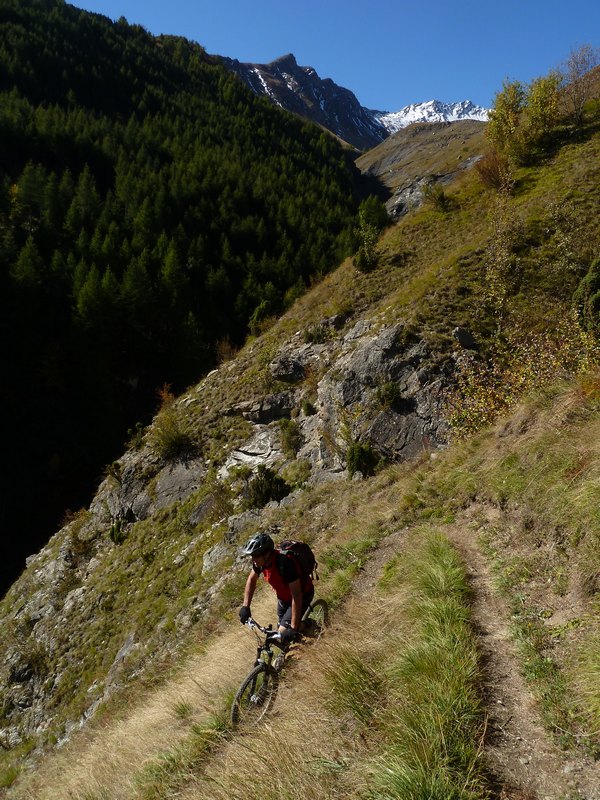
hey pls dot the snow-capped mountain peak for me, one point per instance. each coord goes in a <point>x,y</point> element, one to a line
<point>430,111</point>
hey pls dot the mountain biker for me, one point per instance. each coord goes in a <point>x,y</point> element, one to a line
<point>294,593</point>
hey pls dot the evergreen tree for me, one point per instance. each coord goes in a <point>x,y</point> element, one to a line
<point>27,270</point>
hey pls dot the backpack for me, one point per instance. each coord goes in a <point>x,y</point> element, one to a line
<point>303,556</point>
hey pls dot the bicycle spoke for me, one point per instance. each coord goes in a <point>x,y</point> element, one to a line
<point>317,617</point>
<point>255,696</point>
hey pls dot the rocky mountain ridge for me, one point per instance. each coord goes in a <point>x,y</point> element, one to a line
<point>302,91</point>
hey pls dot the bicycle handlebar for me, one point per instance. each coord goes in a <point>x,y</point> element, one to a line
<point>254,625</point>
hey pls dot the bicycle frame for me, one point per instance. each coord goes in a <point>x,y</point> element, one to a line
<point>264,647</point>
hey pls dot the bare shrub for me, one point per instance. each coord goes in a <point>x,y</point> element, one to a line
<point>494,171</point>
<point>578,78</point>
<point>484,390</point>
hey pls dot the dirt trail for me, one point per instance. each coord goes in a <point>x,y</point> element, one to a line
<point>522,757</point>
<point>523,760</point>
<point>103,762</point>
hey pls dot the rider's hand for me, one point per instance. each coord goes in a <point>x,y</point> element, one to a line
<point>244,614</point>
<point>288,635</point>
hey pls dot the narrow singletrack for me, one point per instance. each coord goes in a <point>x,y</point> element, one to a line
<point>524,761</point>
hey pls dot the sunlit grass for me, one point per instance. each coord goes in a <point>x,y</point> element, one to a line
<point>433,718</point>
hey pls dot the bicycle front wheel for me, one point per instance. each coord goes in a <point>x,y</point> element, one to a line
<point>318,612</point>
<point>255,696</point>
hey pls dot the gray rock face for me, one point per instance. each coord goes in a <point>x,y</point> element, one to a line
<point>349,393</point>
<point>124,494</point>
<point>262,448</point>
<point>401,436</point>
<point>203,510</point>
<point>178,481</point>
<point>215,556</point>
<point>269,408</point>
<point>287,368</point>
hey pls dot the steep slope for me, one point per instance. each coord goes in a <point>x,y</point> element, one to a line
<point>360,367</point>
<point>152,209</point>
<point>174,738</point>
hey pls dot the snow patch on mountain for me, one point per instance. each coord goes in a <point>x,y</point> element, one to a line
<point>265,87</point>
<point>431,111</point>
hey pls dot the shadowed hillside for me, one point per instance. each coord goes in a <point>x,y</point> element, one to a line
<point>153,210</point>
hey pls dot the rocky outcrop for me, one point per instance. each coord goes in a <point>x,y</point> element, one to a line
<point>372,384</point>
<point>377,387</point>
<point>261,448</point>
<point>267,409</point>
<point>383,392</point>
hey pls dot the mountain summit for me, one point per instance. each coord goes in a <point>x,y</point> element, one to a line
<point>301,90</point>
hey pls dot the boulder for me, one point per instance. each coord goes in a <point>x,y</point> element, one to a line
<point>287,368</point>
<point>465,338</point>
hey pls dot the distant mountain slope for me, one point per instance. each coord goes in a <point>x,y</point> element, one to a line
<point>422,153</point>
<point>302,91</point>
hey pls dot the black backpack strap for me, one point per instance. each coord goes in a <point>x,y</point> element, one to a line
<point>286,558</point>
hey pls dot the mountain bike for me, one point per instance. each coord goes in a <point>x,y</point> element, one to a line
<point>258,690</point>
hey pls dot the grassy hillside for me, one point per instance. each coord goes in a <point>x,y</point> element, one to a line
<point>398,695</point>
<point>524,492</point>
<point>424,149</point>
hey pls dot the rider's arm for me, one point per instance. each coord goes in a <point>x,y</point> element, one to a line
<point>250,587</point>
<point>296,590</point>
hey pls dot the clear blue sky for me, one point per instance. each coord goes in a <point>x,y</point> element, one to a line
<point>388,52</point>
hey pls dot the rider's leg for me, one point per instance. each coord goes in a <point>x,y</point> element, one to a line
<point>307,599</point>
<point>284,610</point>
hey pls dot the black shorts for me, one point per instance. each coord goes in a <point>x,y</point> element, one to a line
<point>284,609</point>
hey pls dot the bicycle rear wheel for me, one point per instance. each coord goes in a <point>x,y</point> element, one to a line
<point>255,695</point>
<point>318,612</point>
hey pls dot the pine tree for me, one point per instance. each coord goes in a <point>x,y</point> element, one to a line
<point>27,271</point>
